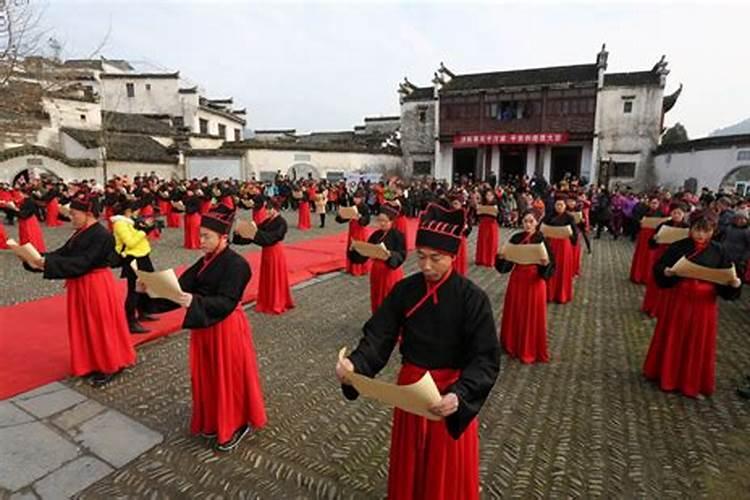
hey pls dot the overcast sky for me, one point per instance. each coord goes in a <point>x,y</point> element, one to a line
<point>325,66</point>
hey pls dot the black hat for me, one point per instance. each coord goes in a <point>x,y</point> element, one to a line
<point>218,219</point>
<point>84,203</point>
<point>441,228</point>
<point>390,210</point>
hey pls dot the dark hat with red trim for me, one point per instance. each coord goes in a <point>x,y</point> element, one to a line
<point>219,219</point>
<point>390,210</point>
<point>86,203</point>
<point>441,228</point>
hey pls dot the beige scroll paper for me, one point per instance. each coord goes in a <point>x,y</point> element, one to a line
<point>160,284</point>
<point>179,205</point>
<point>556,231</point>
<point>247,203</point>
<point>525,254</point>
<point>11,206</point>
<point>416,398</point>
<point>365,249</point>
<point>487,210</point>
<point>65,210</point>
<point>686,269</point>
<point>246,229</point>
<point>668,234</point>
<point>577,217</point>
<point>653,222</point>
<point>26,252</point>
<point>297,195</point>
<point>349,213</point>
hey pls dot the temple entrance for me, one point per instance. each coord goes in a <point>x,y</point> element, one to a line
<point>566,161</point>
<point>512,163</point>
<point>464,163</point>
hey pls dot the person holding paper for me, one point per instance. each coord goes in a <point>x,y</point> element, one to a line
<point>656,298</point>
<point>357,231</point>
<point>384,274</point>
<point>446,327</point>
<point>100,346</point>
<point>192,216</point>
<point>53,206</point>
<point>274,293</point>
<point>29,230</point>
<point>575,208</point>
<point>173,216</point>
<point>523,331</point>
<point>641,264</point>
<point>560,284</point>
<point>303,210</point>
<point>461,262</point>
<point>227,394</point>
<point>488,233</point>
<point>682,353</point>
<point>400,223</point>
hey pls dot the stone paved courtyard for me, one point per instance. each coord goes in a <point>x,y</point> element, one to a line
<point>584,425</point>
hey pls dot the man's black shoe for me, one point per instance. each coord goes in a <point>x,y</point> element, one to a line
<point>102,379</point>
<point>744,392</point>
<point>147,317</point>
<point>235,440</point>
<point>137,328</point>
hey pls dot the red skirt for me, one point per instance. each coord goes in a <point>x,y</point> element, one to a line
<point>173,218</point>
<point>402,225</point>
<point>426,463</point>
<point>303,218</point>
<point>205,206</point>
<point>53,210</point>
<point>682,354</point>
<point>192,238</point>
<point>651,297</point>
<point>29,231</point>
<point>274,295</point>
<point>97,327</point>
<point>3,238</point>
<point>382,279</point>
<point>359,233</point>
<point>640,267</point>
<point>577,257</point>
<point>560,285</point>
<point>227,393</point>
<point>259,215</point>
<point>487,238</point>
<point>147,212</point>
<point>461,263</point>
<point>523,331</point>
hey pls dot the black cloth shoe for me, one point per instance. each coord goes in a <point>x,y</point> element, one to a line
<point>137,328</point>
<point>147,317</point>
<point>102,379</point>
<point>207,435</point>
<point>744,392</point>
<point>235,440</point>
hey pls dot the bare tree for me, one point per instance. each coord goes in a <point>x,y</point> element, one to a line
<point>20,34</point>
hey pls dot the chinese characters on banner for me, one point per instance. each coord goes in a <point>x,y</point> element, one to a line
<point>485,139</point>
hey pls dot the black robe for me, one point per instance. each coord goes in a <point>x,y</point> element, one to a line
<point>88,249</point>
<point>192,204</point>
<point>270,232</point>
<point>713,256</point>
<point>458,332</point>
<point>216,290</point>
<point>28,209</point>
<point>394,241</point>
<point>564,219</point>
<point>545,272</point>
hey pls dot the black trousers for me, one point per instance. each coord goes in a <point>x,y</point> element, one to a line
<point>135,301</point>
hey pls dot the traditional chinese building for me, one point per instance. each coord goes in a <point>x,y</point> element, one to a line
<point>567,120</point>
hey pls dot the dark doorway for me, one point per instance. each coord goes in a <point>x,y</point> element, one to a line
<point>566,161</point>
<point>512,163</point>
<point>464,163</point>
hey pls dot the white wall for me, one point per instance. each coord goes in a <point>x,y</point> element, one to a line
<point>708,166</point>
<point>214,120</point>
<point>132,169</point>
<point>205,143</point>
<point>444,167</point>
<point>200,166</point>
<point>73,149</point>
<point>13,166</point>
<point>163,98</point>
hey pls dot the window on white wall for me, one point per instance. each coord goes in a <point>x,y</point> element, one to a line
<point>130,89</point>
<point>203,124</point>
<point>623,169</point>
<point>148,86</point>
<point>743,155</point>
<point>222,131</point>
<point>627,107</point>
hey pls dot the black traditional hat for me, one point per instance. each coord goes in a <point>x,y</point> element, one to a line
<point>86,203</point>
<point>390,210</point>
<point>441,228</point>
<point>219,219</point>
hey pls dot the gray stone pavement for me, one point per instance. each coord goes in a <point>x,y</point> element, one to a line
<point>585,425</point>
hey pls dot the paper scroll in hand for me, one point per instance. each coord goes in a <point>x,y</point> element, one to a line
<point>297,195</point>
<point>161,284</point>
<point>349,213</point>
<point>556,231</point>
<point>179,205</point>
<point>668,234</point>
<point>65,210</point>
<point>653,222</point>
<point>416,398</point>
<point>26,252</point>
<point>577,217</point>
<point>370,250</point>
<point>525,254</point>
<point>487,210</point>
<point>687,269</point>
<point>246,229</point>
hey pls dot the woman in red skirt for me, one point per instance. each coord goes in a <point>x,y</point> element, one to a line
<point>682,354</point>
<point>655,297</point>
<point>274,294</point>
<point>98,333</point>
<point>29,230</point>
<point>560,284</point>
<point>175,210</point>
<point>641,264</point>
<point>488,233</point>
<point>303,211</point>
<point>384,273</point>
<point>192,240</point>
<point>400,223</point>
<point>259,208</point>
<point>227,394</point>
<point>357,231</point>
<point>53,208</point>
<point>523,331</point>
<point>147,213</point>
<point>461,262</point>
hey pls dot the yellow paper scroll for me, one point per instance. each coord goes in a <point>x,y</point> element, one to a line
<point>26,252</point>
<point>577,217</point>
<point>487,210</point>
<point>416,398</point>
<point>525,254</point>
<point>653,222</point>
<point>373,251</point>
<point>349,213</point>
<point>161,284</point>
<point>556,231</point>
<point>687,269</point>
<point>668,234</point>
<point>246,229</point>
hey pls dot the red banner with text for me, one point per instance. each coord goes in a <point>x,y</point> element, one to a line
<point>492,138</point>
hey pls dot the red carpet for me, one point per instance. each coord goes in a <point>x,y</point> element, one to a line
<point>34,338</point>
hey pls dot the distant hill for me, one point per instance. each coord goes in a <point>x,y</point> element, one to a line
<point>742,127</point>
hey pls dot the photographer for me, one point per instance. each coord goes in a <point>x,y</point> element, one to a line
<point>131,244</point>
